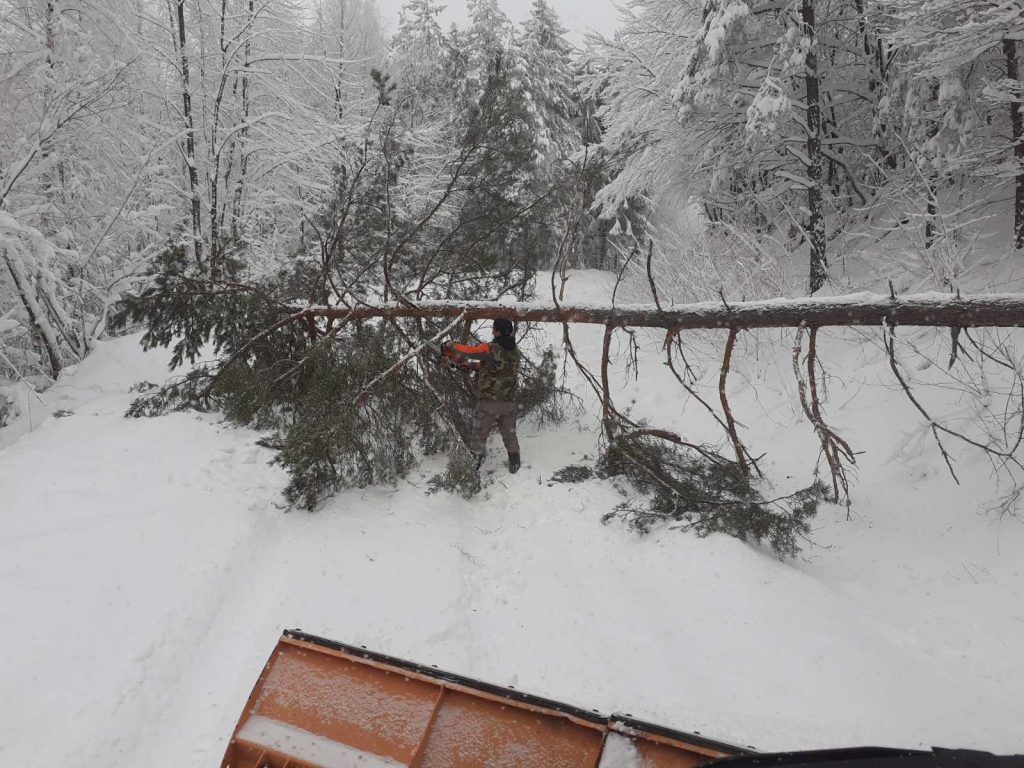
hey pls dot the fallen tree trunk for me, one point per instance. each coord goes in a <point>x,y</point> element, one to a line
<point>865,309</point>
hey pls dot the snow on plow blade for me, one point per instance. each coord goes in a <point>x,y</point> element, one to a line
<point>321,704</point>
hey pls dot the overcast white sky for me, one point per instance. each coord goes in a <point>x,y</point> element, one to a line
<point>578,16</point>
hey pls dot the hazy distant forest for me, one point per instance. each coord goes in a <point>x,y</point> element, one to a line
<point>253,135</point>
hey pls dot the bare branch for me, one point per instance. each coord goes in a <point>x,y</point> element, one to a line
<point>741,458</point>
<point>361,397</point>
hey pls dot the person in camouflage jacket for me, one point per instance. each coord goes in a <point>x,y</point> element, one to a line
<point>496,366</point>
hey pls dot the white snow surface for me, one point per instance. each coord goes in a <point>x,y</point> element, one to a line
<point>147,568</point>
<point>308,747</point>
<point>620,752</point>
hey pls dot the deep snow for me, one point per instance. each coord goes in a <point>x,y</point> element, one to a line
<point>147,568</point>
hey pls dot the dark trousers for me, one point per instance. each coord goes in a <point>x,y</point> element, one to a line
<point>487,414</point>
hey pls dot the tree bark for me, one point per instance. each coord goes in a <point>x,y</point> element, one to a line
<point>606,390</point>
<point>238,210</point>
<point>190,131</point>
<point>931,213</point>
<point>816,214</point>
<point>730,422</point>
<point>1017,128</point>
<point>215,152</point>
<point>863,309</point>
<point>339,83</point>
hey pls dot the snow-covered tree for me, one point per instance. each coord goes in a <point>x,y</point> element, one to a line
<point>128,126</point>
<point>550,82</point>
<point>267,100</point>
<point>645,152</point>
<point>962,108</point>
<point>70,162</point>
<point>490,35</point>
<point>754,73</point>
<point>771,115</point>
<point>419,51</point>
<point>349,32</point>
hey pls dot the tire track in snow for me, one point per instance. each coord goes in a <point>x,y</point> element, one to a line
<point>175,693</point>
<point>490,573</point>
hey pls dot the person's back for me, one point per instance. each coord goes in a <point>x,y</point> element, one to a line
<point>498,374</point>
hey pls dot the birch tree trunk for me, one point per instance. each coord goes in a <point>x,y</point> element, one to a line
<point>36,313</point>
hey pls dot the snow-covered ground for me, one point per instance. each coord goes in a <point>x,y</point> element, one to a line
<point>147,568</point>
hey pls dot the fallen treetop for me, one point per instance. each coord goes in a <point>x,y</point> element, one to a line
<point>925,309</point>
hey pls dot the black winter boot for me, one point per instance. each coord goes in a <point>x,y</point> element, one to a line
<point>513,463</point>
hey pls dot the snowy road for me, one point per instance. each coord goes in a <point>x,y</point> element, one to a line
<point>147,570</point>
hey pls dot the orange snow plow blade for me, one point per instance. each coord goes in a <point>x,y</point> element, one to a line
<point>321,704</point>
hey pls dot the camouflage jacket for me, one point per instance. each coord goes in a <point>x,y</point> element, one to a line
<point>496,369</point>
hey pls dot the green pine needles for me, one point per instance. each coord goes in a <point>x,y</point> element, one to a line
<point>705,493</point>
<point>301,381</point>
